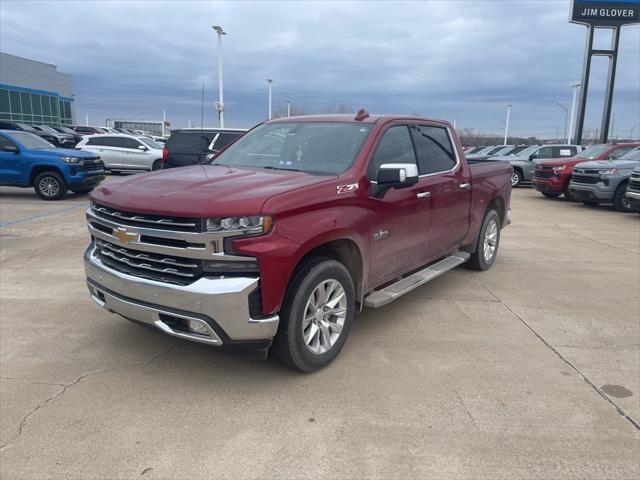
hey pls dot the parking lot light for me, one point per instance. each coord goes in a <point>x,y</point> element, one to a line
<point>220,102</point>
<point>506,124</point>
<point>572,120</point>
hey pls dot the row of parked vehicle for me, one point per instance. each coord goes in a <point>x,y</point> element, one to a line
<point>593,175</point>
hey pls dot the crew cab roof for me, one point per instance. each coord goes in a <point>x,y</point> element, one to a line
<point>351,118</point>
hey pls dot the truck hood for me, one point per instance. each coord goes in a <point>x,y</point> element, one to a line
<point>619,164</point>
<point>201,190</point>
<point>507,158</point>
<point>63,152</point>
<point>558,162</point>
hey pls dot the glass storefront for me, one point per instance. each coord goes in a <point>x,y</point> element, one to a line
<point>21,105</point>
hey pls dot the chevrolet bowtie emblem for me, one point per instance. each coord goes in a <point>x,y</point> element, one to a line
<point>124,236</point>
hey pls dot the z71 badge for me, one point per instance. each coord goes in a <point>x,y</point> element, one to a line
<point>352,187</point>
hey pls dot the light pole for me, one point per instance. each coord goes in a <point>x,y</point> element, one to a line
<point>86,119</point>
<point>506,125</point>
<point>288,108</point>
<point>220,102</point>
<point>164,119</point>
<point>566,114</point>
<point>572,120</point>
<point>269,82</point>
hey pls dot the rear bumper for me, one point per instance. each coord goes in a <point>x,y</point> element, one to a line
<point>218,308</point>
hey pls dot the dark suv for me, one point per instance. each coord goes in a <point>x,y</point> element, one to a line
<point>192,146</point>
<point>23,127</point>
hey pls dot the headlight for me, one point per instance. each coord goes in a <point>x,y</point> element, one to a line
<point>558,169</point>
<point>70,159</point>
<point>242,225</point>
<point>608,171</point>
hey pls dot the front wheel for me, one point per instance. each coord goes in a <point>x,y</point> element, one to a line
<point>488,243</point>
<point>620,201</point>
<point>50,186</point>
<point>316,317</point>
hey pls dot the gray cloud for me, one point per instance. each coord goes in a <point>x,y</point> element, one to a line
<point>444,59</point>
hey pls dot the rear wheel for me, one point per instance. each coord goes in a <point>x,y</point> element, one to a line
<point>516,177</point>
<point>157,165</point>
<point>50,186</point>
<point>488,242</point>
<point>620,201</point>
<point>316,316</point>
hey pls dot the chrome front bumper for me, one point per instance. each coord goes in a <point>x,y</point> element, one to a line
<point>220,306</point>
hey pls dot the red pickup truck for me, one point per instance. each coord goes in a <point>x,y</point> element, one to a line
<point>274,245</point>
<point>552,177</point>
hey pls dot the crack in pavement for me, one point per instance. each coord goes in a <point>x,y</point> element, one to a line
<point>66,387</point>
<point>620,411</point>
<point>32,381</point>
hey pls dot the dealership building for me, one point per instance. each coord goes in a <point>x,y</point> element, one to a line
<point>34,92</point>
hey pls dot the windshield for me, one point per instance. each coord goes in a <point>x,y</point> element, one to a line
<point>26,127</point>
<point>47,128</point>
<point>151,143</point>
<point>313,147</point>
<point>593,152</point>
<point>517,150</point>
<point>632,155</point>
<point>528,151</point>
<point>30,141</point>
<point>65,130</point>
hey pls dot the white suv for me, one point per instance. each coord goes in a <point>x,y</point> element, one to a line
<point>124,152</point>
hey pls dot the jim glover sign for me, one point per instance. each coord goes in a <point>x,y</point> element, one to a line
<point>605,13</point>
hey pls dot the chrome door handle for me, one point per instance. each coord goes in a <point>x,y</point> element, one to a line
<point>465,185</point>
<point>423,194</point>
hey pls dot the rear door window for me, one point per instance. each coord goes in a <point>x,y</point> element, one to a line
<point>124,142</point>
<point>192,142</point>
<point>394,147</point>
<point>560,152</point>
<point>544,152</point>
<point>433,148</point>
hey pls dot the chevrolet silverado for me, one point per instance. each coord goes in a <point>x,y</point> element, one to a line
<point>273,246</point>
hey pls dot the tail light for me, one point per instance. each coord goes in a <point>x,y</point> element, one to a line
<point>165,154</point>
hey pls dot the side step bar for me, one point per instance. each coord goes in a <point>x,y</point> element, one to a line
<point>389,293</point>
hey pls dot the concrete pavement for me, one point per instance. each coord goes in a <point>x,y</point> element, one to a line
<point>528,370</point>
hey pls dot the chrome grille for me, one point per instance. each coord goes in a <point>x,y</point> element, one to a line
<point>163,268</point>
<point>543,172</point>
<point>146,220</point>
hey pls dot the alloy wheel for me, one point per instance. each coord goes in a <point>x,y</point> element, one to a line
<point>49,186</point>
<point>324,316</point>
<point>490,240</point>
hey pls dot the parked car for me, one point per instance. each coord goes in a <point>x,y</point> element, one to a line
<point>68,131</point>
<point>110,130</point>
<point>85,130</point>
<point>492,151</point>
<point>473,150</point>
<point>523,163</point>
<point>551,177</point>
<point>275,244</point>
<point>23,127</point>
<point>192,146</point>
<point>498,151</point>
<point>124,152</point>
<point>605,181</point>
<point>633,190</point>
<point>63,140</point>
<point>27,160</point>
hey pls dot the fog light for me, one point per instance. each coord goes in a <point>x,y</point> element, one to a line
<point>198,326</point>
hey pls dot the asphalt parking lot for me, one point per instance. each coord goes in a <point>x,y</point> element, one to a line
<point>529,370</point>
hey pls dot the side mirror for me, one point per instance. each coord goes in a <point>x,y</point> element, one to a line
<point>11,149</point>
<point>532,156</point>
<point>143,148</point>
<point>395,175</point>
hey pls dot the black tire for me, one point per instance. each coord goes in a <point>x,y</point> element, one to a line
<point>50,185</point>
<point>551,195</point>
<point>157,165</point>
<point>620,202</point>
<point>568,196</point>
<point>82,191</point>
<point>289,347</point>
<point>516,177</point>
<point>478,260</point>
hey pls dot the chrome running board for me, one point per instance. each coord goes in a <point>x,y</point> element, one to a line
<point>389,293</point>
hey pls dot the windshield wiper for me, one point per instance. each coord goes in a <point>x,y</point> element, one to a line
<point>269,167</point>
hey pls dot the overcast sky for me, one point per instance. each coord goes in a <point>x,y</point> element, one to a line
<point>444,59</point>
